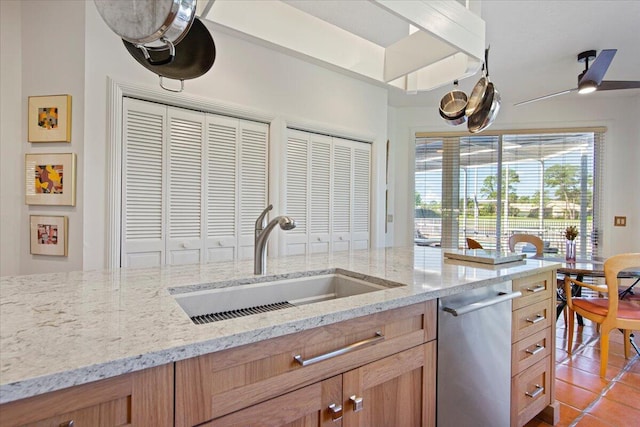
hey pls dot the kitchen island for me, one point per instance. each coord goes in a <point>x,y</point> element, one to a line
<point>68,329</point>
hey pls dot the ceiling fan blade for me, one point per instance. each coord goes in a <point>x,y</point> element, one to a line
<point>596,72</point>
<point>551,95</point>
<point>618,84</point>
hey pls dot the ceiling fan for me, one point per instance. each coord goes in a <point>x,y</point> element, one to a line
<point>590,79</point>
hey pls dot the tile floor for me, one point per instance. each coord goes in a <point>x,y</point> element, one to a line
<point>585,399</point>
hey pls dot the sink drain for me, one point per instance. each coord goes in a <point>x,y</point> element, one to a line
<point>232,314</point>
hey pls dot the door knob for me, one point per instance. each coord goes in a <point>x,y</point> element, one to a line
<point>357,403</point>
<point>336,412</point>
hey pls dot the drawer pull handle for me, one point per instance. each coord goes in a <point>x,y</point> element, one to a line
<point>336,412</point>
<point>351,347</point>
<point>535,351</point>
<point>69,423</point>
<point>357,403</point>
<point>536,393</point>
<point>538,288</point>
<point>539,318</point>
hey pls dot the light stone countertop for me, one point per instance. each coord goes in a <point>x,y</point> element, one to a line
<point>64,329</point>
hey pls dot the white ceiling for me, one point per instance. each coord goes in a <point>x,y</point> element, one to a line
<point>360,17</point>
<point>534,45</point>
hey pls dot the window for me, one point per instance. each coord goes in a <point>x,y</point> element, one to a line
<point>488,187</point>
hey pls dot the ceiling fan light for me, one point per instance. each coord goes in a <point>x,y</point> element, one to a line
<point>587,87</point>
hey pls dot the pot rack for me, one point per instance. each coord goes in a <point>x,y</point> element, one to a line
<point>428,44</point>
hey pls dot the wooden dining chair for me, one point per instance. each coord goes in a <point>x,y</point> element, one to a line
<point>526,238</point>
<point>473,244</point>
<point>610,313</point>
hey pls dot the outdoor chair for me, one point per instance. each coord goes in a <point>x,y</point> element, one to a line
<point>514,239</point>
<point>472,244</point>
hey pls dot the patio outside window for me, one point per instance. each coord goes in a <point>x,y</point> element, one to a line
<point>490,186</point>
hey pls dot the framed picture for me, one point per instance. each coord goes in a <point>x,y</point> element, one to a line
<point>49,235</point>
<point>50,179</point>
<point>50,118</point>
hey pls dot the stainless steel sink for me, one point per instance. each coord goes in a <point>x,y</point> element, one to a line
<point>236,301</point>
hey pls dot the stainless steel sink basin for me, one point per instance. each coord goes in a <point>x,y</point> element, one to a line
<point>236,301</point>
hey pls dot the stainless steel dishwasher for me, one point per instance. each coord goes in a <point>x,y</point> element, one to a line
<point>474,357</point>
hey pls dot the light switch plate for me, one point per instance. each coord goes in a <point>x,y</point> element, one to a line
<point>620,221</point>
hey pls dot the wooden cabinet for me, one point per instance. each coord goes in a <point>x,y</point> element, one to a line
<point>397,391</point>
<point>379,354</point>
<point>140,399</point>
<point>305,407</point>
<point>533,350</point>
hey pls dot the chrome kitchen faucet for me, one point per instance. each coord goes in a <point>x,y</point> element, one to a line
<point>262,231</point>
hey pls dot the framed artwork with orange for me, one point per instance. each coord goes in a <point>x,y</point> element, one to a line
<point>49,235</point>
<point>50,179</point>
<point>49,118</point>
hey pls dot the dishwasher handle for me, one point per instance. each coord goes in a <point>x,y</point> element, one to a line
<point>502,297</point>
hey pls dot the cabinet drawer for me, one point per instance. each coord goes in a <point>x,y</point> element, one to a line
<point>530,350</point>
<point>217,384</point>
<point>534,289</point>
<point>531,392</point>
<point>531,319</point>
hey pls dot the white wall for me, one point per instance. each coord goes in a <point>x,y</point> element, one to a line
<point>248,75</point>
<point>86,53</point>
<point>44,57</point>
<point>243,74</point>
<point>622,155</point>
<point>11,140</point>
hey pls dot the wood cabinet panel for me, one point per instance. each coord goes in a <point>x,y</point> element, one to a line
<point>533,350</point>
<point>530,350</point>
<point>531,392</point>
<point>305,407</point>
<point>142,398</point>
<point>397,391</point>
<point>531,319</point>
<point>536,288</point>
<point>215,385</point>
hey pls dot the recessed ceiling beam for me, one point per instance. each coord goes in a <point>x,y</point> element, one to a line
<point>447,42</point>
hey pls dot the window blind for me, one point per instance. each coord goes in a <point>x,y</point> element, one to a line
<point>488,187</point>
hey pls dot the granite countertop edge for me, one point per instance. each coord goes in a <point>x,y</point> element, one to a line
<point>306,318</point>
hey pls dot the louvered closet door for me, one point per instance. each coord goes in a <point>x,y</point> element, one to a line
<point>254,144</point>
<point>185,183</point>
<point>361,195</point>
<point>319,218</point>
<point>342,194</point>
<point>222,188</point>
<point>143,177</point>
<point>297,191</point>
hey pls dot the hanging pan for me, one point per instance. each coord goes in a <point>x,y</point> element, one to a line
<point>453,104</point>
<point>150,25</point>
<point>194,56</point>
<point>484,102</point>
<point>486,113</point>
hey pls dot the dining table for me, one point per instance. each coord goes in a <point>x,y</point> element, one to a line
<point>586,267</point>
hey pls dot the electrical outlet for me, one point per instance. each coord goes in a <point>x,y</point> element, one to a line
<point>620,221</point>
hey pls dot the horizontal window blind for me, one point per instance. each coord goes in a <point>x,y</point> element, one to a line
<point>491,186</point>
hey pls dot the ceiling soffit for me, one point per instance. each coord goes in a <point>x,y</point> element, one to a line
<point>414,45</point>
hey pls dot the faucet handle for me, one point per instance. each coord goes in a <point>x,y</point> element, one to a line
<point>261,222</point>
